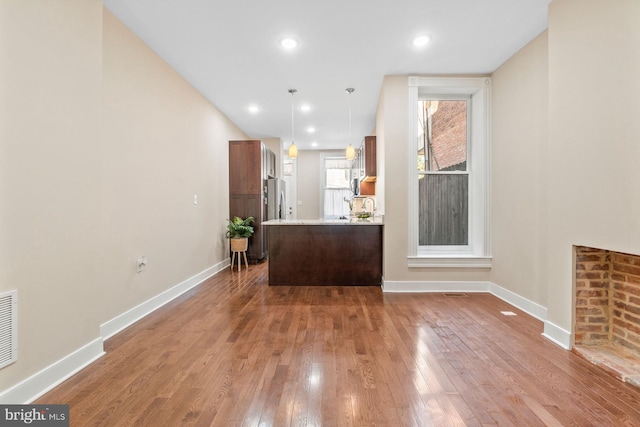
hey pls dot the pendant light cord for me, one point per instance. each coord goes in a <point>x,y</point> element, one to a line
<point>350,90</point>
<point>292,92</point>
<point>350,117</point>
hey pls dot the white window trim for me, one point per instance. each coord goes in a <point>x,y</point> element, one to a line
<point>478,253</point>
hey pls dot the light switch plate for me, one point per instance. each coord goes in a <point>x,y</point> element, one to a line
<point>141,263</point>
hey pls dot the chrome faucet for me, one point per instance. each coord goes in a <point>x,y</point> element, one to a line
<point>373,205</point>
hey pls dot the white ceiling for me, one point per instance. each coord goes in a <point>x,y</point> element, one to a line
<point>229,51</point>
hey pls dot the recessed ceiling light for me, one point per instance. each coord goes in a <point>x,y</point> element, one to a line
<point>421,41</point>
<point>289,43</point>
<point>314,144</point>
<point>305,108</point>
<point>311,129</point>
<point>253,109</point>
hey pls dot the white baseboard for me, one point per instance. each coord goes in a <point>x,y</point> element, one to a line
<point>528,306</point>
<point>38,384</point>
<point>553,332</point>
<point>128,318</point>
<point>404,286</point>
<point>557,335</point>
<point>41,382</point>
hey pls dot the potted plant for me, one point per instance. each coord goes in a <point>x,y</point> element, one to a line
<point>239,231</point>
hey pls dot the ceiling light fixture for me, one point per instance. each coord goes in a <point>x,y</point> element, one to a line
<point>311,129</point>
<point>305,108</point>
<point>293,150</point>
<point>421,41</point>
<point>253,109</point>
<point>289,43</point>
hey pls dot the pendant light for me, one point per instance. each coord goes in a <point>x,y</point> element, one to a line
<point>351,152</point>
<point>293,150</point>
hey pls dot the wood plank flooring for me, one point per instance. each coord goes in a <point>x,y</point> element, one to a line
<point>236,352</point>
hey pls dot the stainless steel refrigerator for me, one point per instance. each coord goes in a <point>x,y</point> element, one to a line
<point>276,199</point>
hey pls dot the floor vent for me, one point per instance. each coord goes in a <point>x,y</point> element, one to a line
<point>455,294</point>
<point>8,328</point>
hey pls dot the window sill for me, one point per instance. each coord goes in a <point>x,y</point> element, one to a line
<point>446,261</point>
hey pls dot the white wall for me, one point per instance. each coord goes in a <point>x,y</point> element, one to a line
<point>50,149</point>
<point>102,148</point>
<point>519,143</point>
<point>594,147</point>
<point>163,143</point>
<point>310,182</point>
<point>380,158</point>
<point>392,129</point>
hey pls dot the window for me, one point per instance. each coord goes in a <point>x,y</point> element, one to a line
<point>337,181</point>
<point>443,177</point>
<point>449,177</point>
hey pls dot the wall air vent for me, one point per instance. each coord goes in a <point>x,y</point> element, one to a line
<point>8,328</point>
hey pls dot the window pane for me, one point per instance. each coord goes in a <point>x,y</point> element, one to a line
<point>288,169</point>
<point>444,209</point>
<point>442,135</point>
<point>338,178</point>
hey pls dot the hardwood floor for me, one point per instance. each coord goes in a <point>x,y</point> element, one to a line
<point>236,352</point>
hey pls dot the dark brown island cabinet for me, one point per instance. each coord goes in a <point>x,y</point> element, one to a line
<point>318,253</point>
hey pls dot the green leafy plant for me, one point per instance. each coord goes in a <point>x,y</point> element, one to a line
<point>239,227</point>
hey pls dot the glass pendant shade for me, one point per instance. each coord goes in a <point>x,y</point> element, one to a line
<point>351,152</point>
<point>293,150</point>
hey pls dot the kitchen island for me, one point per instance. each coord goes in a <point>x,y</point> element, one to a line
<point>325,252</point>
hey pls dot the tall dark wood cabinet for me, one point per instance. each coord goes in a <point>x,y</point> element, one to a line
<point>247,172</point>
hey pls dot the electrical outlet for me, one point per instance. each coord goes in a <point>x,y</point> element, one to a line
<point>141,263</point>
<point>195,199</point>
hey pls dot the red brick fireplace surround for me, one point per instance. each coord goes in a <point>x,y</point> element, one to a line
<point>607,311</point>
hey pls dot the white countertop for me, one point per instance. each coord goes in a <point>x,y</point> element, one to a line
<point>375,220</point>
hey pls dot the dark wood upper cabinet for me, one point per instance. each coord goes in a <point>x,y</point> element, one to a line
<point>369,149</point>
<point>364,169</point>
<point>269,158</point>
<point>272,163</point>
<point>245,167</point>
